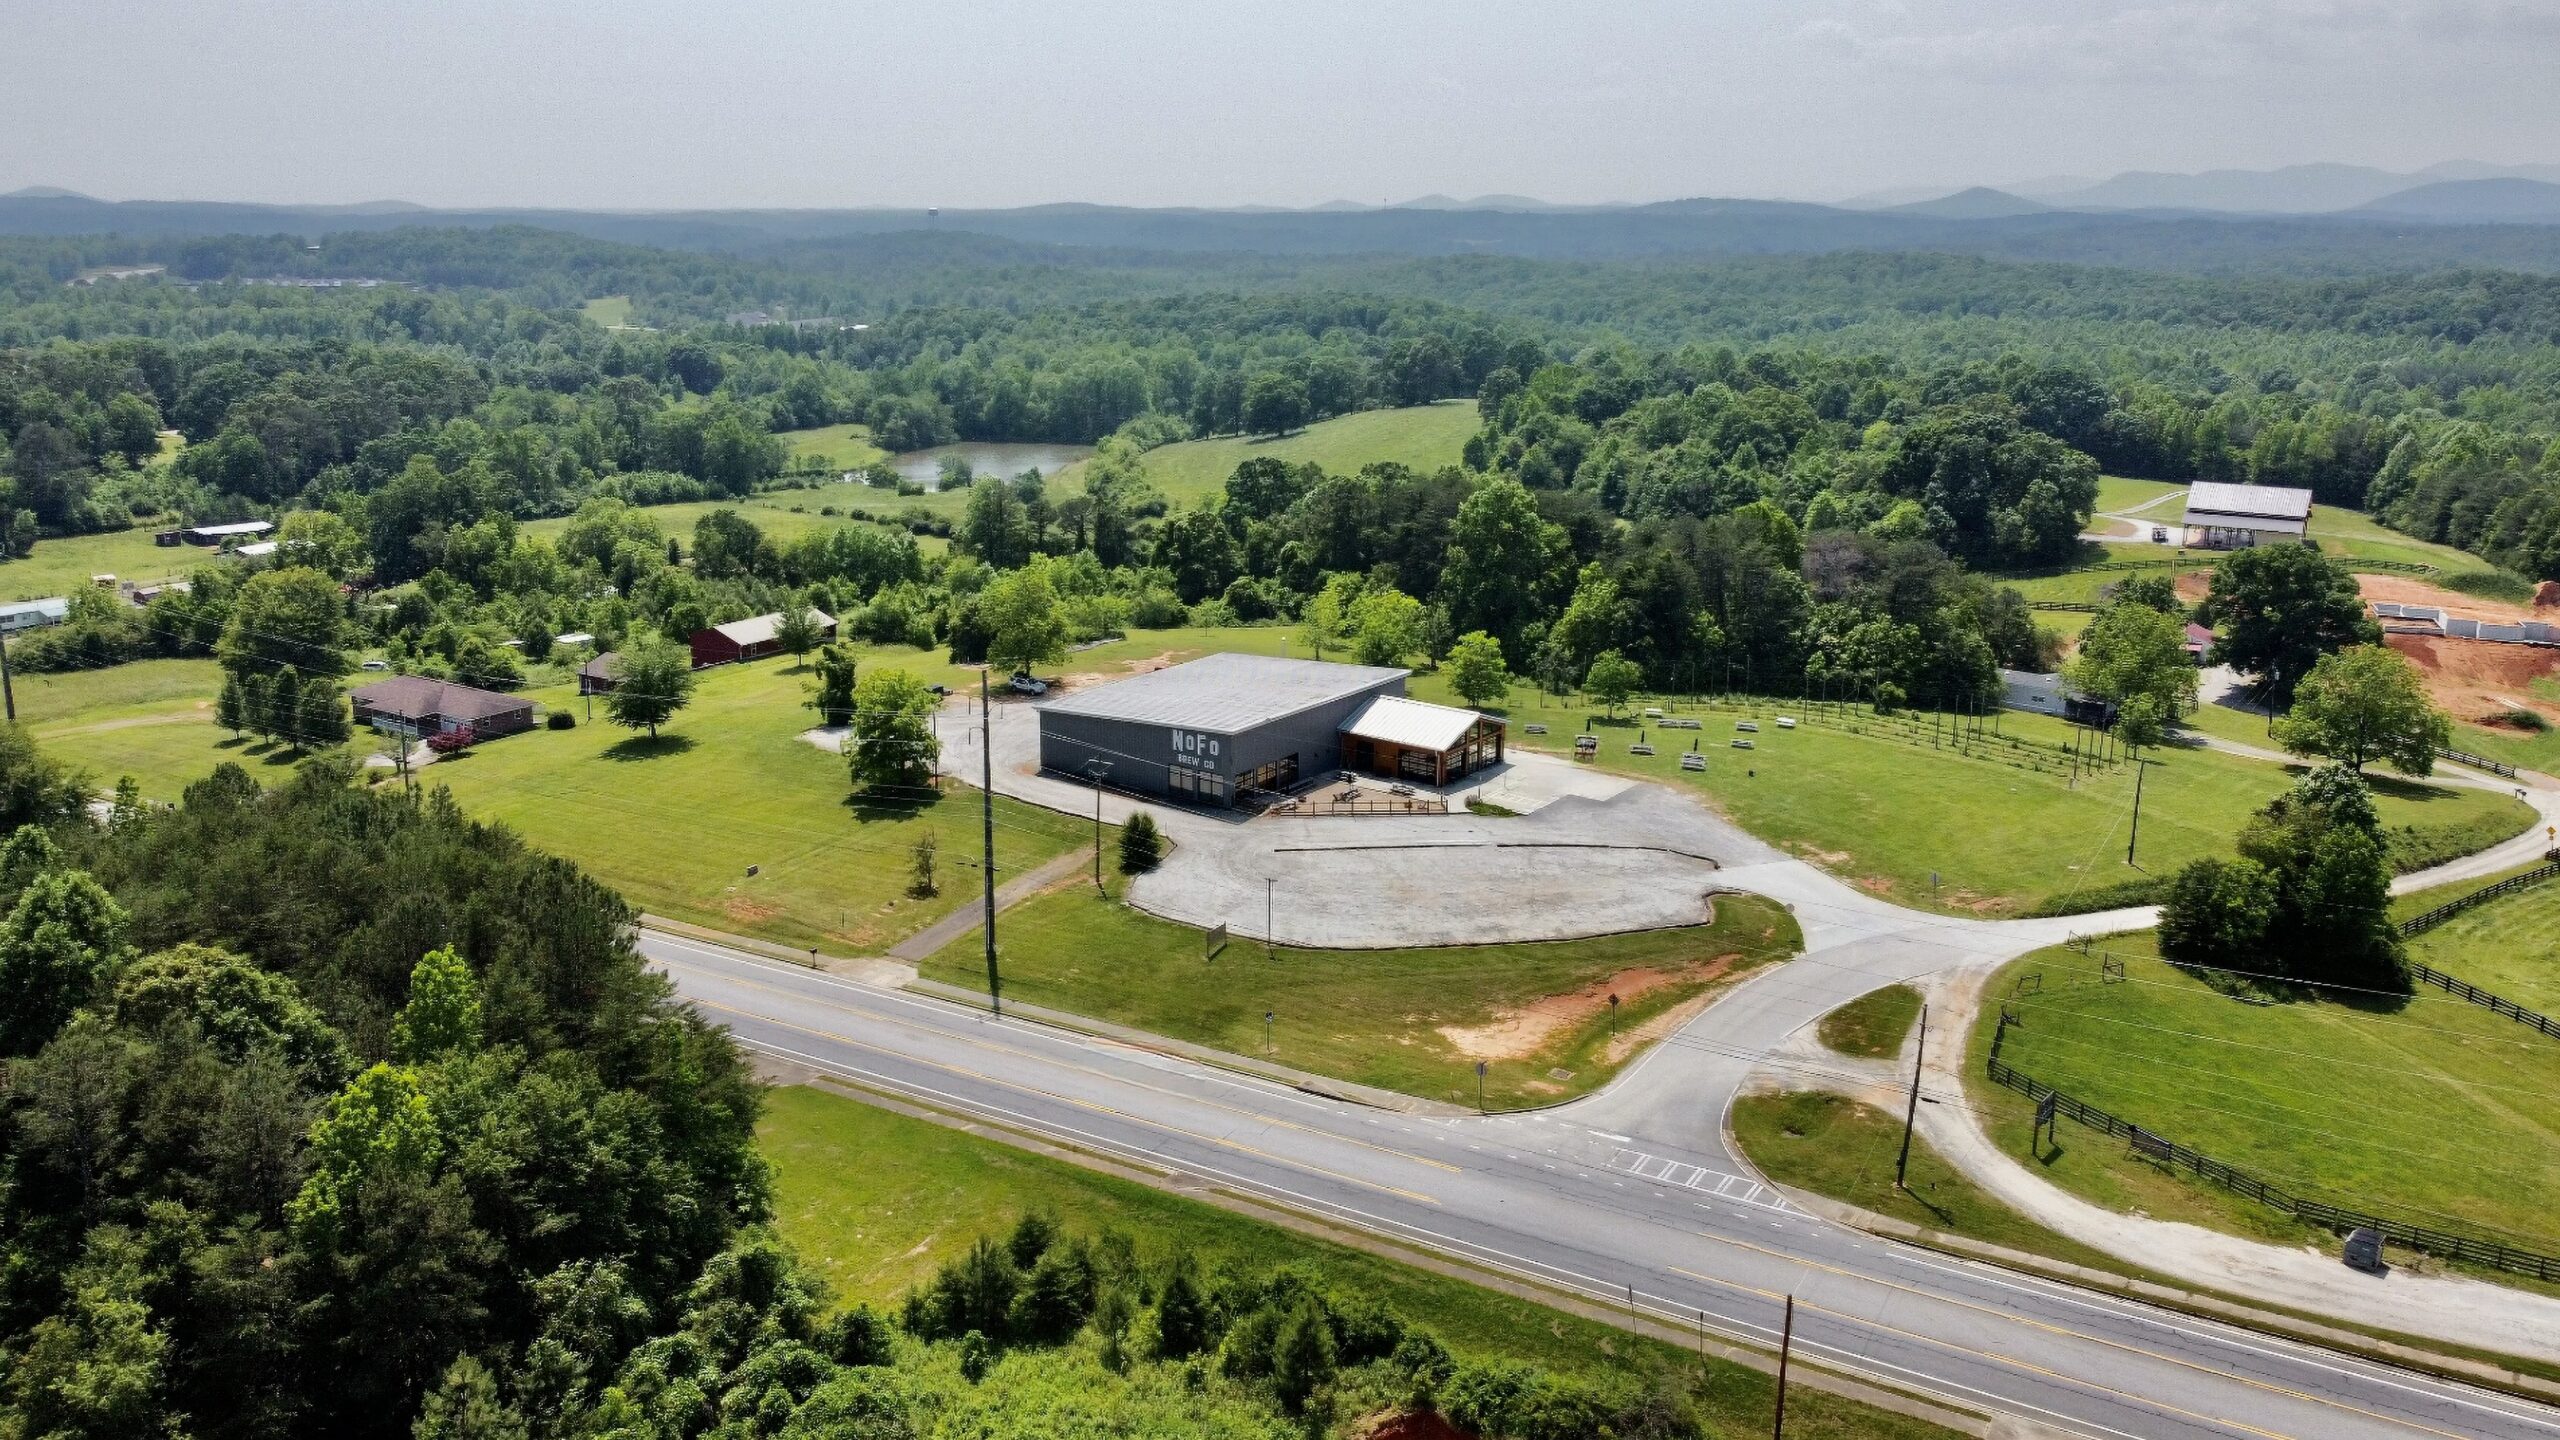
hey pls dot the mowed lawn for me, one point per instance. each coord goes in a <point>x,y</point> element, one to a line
<point>877,1200</point>
<point>1885,814</point>
<point>2439,1111</point>
<point>2509,947</point>
<point>782,515</point>
<point>60,566</point>
<point>847,447</point>
<point>1412,1020</point>
<point>1425,437</point>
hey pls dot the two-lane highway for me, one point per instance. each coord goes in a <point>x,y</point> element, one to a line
<point>1609,1214</point>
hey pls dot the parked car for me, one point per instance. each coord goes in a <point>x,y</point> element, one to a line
<point>2159,534</point>
<point>1025,683</point>
<point>375,665</point>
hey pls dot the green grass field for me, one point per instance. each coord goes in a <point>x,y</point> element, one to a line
<point>1425,437</point>
<point>1886,814</point>
<point>1835,1147</point>
<point>2439,1112</point>
<point>2509,946</point>
<point>1377,1017</point>
<point>1874,1025</point>
<point>877,1200</point>
<point>609,310</point>
<point>2118,495</point>
<point>783,515</point>
<point>846,447</point>
<point>60,566</point>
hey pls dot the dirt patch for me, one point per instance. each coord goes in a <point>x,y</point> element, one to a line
<point>1820,856</point>
<point>2476,679</point>
<point>2194,585</point>
<point>748,911</point>
<point>1409,1425</point>
<point>1876,884</point>
<point>1127,668</point>
<point>1526,1032</point>
<point>2401,590</point>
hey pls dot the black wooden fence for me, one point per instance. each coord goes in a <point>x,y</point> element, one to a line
<point>2425,921</point>
<point>2493,1253</point>
<point>2465,990</point>
<point>2476,762</point>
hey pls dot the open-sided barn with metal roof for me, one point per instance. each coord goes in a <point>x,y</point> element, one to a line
<point>2235,517</point>
<point>1229,729</point>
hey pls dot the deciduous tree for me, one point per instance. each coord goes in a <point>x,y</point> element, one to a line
<point>652,680</point>
<point>2362,704</point>
<point>1476,670</point>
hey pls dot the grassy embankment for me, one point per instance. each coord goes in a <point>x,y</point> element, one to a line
<point>2437,1111</point>
<point>878,1200</point>
<point>1381,1017</point>
<point>609,310</point>
<point>1835,1147</point>
<point>2002,840</point>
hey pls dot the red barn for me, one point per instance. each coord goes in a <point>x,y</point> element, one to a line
<point>750,639</point>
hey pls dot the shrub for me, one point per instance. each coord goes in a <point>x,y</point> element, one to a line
<point>446,742</point>
<point>561,720</point>
<point>2490,585</point>
<point>1141,844</point>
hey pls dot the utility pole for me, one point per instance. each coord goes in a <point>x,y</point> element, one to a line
<point>2139,766</point>
<point>1097,769</point>
<point>8,687</point>
<point>1911,1111</point>
<point>1786,1345</point>
<point>987,812</point>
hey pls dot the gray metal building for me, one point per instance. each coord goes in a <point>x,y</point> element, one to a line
<point>1202,732</point>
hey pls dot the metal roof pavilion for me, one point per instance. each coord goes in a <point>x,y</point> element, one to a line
<point>1225,694</point>
<point>2270,502</point>
<point>1413,724</point>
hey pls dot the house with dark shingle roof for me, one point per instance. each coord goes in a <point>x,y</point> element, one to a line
<point>421,705</point>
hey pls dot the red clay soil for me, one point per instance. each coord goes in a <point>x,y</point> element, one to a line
<point>2193,584</point>
<point>2476,679</point>
<point>2403,590</point>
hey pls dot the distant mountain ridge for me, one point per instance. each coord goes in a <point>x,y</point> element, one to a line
<point>2500,200</point>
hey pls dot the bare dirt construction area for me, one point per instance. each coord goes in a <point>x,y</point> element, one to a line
<point>2400,589</point>
<point>1077,680</point>
<point>1526,1032</point>
<point>2480,680</point>
<point>2474,680</point>
<point>2193,585</point>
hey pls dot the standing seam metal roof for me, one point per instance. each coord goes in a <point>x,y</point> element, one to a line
<point>2272,502</point>
<point>1226,694</point>
<point>1413,724</point>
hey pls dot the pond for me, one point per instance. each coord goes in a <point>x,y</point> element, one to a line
<point>924,467</point>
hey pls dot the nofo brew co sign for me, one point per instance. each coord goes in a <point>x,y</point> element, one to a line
<point>1192,748</point>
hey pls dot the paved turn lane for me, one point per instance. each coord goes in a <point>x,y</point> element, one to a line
<point>1602,1212</point>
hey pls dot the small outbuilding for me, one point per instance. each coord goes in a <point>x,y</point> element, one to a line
<point>751,639</point>
<point>2237,517</point>
<point>420,705</point>
<point>19,615</point>
<point>1416,740</point>
<point>216,534</point>
<point>596,676</point>
<point>2044,694</point>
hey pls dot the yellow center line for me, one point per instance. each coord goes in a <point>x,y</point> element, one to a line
<point>1079,1104</point>
<point>1003,1049</point>
<point>2014,1318</point>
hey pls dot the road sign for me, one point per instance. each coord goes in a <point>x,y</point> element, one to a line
<point>1217,941</point>
<point>2044,1111</point>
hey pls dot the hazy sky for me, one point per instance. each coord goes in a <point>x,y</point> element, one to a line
<point>655,103</point>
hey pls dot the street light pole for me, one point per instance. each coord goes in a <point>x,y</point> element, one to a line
<point>1911,1111</point>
